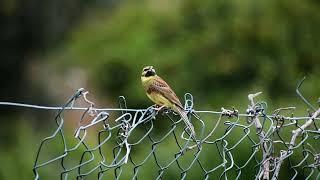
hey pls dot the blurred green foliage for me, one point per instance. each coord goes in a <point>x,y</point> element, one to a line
<point>220,51</point>
<point>213,49</point>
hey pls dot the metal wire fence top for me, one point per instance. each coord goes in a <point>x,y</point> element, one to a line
<point>124,143</point>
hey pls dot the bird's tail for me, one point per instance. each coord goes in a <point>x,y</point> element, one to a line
<point>185,119</point>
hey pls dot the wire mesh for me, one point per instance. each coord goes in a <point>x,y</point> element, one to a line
<point>110,142</point>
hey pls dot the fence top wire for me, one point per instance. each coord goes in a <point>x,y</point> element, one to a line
<point>261,134</point>
<point>140,110</point>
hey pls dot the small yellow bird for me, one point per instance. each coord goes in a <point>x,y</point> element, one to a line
<point>161,94</point>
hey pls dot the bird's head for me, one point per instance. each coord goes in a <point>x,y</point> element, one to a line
<point>148,71</point>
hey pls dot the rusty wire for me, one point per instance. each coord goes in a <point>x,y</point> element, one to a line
<point>225,131</point>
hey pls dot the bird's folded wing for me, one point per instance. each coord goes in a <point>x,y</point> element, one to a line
<point>161,87</point>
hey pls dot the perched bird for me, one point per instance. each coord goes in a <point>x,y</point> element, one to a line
<point>161,94</point>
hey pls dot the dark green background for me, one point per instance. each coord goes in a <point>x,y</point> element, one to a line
<point>220,51</point>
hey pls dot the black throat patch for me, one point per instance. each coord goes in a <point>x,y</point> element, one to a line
<point>150,73</point>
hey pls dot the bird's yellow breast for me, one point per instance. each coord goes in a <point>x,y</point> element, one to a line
<point>155,96</point>
<point>159,99</point>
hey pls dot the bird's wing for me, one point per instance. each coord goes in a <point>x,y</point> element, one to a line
<point>160,86</point>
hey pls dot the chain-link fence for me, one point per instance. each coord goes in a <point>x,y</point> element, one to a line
<point>122,143</point>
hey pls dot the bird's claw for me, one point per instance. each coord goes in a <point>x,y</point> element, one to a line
<point>157,108</point>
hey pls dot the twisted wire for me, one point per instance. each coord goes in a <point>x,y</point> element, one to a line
<point>223,132</point>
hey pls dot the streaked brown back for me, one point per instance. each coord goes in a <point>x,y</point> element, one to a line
<point>160,86</point>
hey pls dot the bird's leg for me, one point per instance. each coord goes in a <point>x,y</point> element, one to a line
<point>158,108</point>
